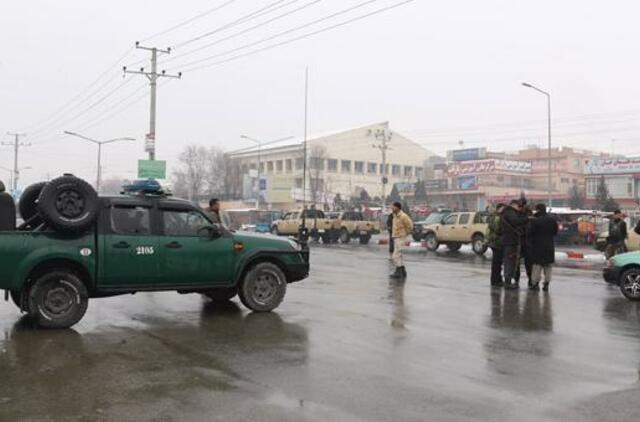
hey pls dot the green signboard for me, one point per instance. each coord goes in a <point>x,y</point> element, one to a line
<point>152,169</point>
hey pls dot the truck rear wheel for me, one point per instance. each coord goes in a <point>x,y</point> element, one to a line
<point>478,244</point>
<point>68,203</point>
<point>58,299</point>
<point>263,287</point>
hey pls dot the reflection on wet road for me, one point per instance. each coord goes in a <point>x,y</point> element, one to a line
<point>347,344</point>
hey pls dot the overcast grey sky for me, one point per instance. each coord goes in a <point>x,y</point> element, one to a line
<point>438,71</point>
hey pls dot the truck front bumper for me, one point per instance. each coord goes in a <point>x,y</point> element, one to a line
<point>300,271</point>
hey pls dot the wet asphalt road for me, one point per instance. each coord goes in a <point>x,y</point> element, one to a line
<point>345,345</point>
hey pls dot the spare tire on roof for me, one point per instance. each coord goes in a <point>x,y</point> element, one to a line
<point>28,205</point>
<point>68,204</point>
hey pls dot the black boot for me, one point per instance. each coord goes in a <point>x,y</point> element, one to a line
<point>534,287</point>
<point>545,287</point>
<point>404,271</point>
<point>397,274</point>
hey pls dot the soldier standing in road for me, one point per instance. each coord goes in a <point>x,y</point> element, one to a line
<point>541,233</point>
<point>494,240</point>
<point>513,225</point>
<point>213,210</point>
<point>617,235</point>
<point>401,228</point>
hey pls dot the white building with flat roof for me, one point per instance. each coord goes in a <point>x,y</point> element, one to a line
<point>341,162</point>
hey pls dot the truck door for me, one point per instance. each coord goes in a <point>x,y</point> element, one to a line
<point>462,232</point>
<point>129,249</point>
<point>447,230</point>
<point>189,256</point>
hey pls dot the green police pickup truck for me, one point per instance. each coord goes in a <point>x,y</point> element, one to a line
<point>75,245</point>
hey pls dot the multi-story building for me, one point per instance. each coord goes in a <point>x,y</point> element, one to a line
<point>475,177</point>
<point>621,176</point>
<point>340,163</point>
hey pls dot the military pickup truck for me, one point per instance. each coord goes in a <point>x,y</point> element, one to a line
<point>456,229</point>
<point>75,245</point>
<point>316,222</point>
<point>353,224</point>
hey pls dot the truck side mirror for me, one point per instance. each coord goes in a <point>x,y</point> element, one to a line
<point>210,232</point>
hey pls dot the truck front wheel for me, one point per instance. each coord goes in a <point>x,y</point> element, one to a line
<point>263,287</point>
<point>58,299</point>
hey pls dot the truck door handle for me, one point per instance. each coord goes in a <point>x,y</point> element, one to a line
<point>174,245</point>
<point>121,245</point>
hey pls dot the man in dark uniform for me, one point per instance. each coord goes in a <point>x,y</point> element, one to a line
<point>513,226</point>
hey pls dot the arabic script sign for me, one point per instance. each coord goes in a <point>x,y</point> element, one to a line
<point>488,166</point>
<point>612,166</point>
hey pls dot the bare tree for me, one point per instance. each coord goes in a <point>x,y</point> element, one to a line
<point>191,176</point>
<point>216,172</point>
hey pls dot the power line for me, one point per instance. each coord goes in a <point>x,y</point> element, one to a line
<point>298,38</point>
<point>279,34</point>
<point>92,105</point>
<point>238,21</point>
<point>81,95</point>
<point>188,21</point>
<point>245,31</point>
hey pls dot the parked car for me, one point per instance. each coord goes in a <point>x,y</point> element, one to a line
<point>75,246</point>
<point>318,225</point>
<point>456,229</point>
<point>624,270</point>
<point>353,224</point>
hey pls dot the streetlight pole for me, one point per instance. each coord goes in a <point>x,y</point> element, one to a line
<point>260,143</point>
<point>99,143</point>
<point>528,85</point>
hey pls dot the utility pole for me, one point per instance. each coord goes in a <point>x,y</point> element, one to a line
<point>16,144</point>
<point>383,136</point>
<point>150,138</point>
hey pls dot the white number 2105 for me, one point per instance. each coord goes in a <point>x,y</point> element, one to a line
<point>144,250</point>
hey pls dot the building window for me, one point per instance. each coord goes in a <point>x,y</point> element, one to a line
<point>332,165</point>
<point>345,166</point>
<point>419,172</point>
<point>288,165</point>
<point>358,167</point>
<point>564,180</point>
<point>316,163</point>
<point>372,168</point>
<point>408,171</point>
<point>395,170</point>
<point>261,167</point>
<point>386,169</point>
<point>279,166</point>
<point>299,182</point>
<point>269,166</point>
<point>500,178</point>
<point>252,166</point>
<point>299,163</point>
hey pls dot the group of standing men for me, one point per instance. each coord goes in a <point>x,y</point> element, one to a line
<point>517,233</point>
